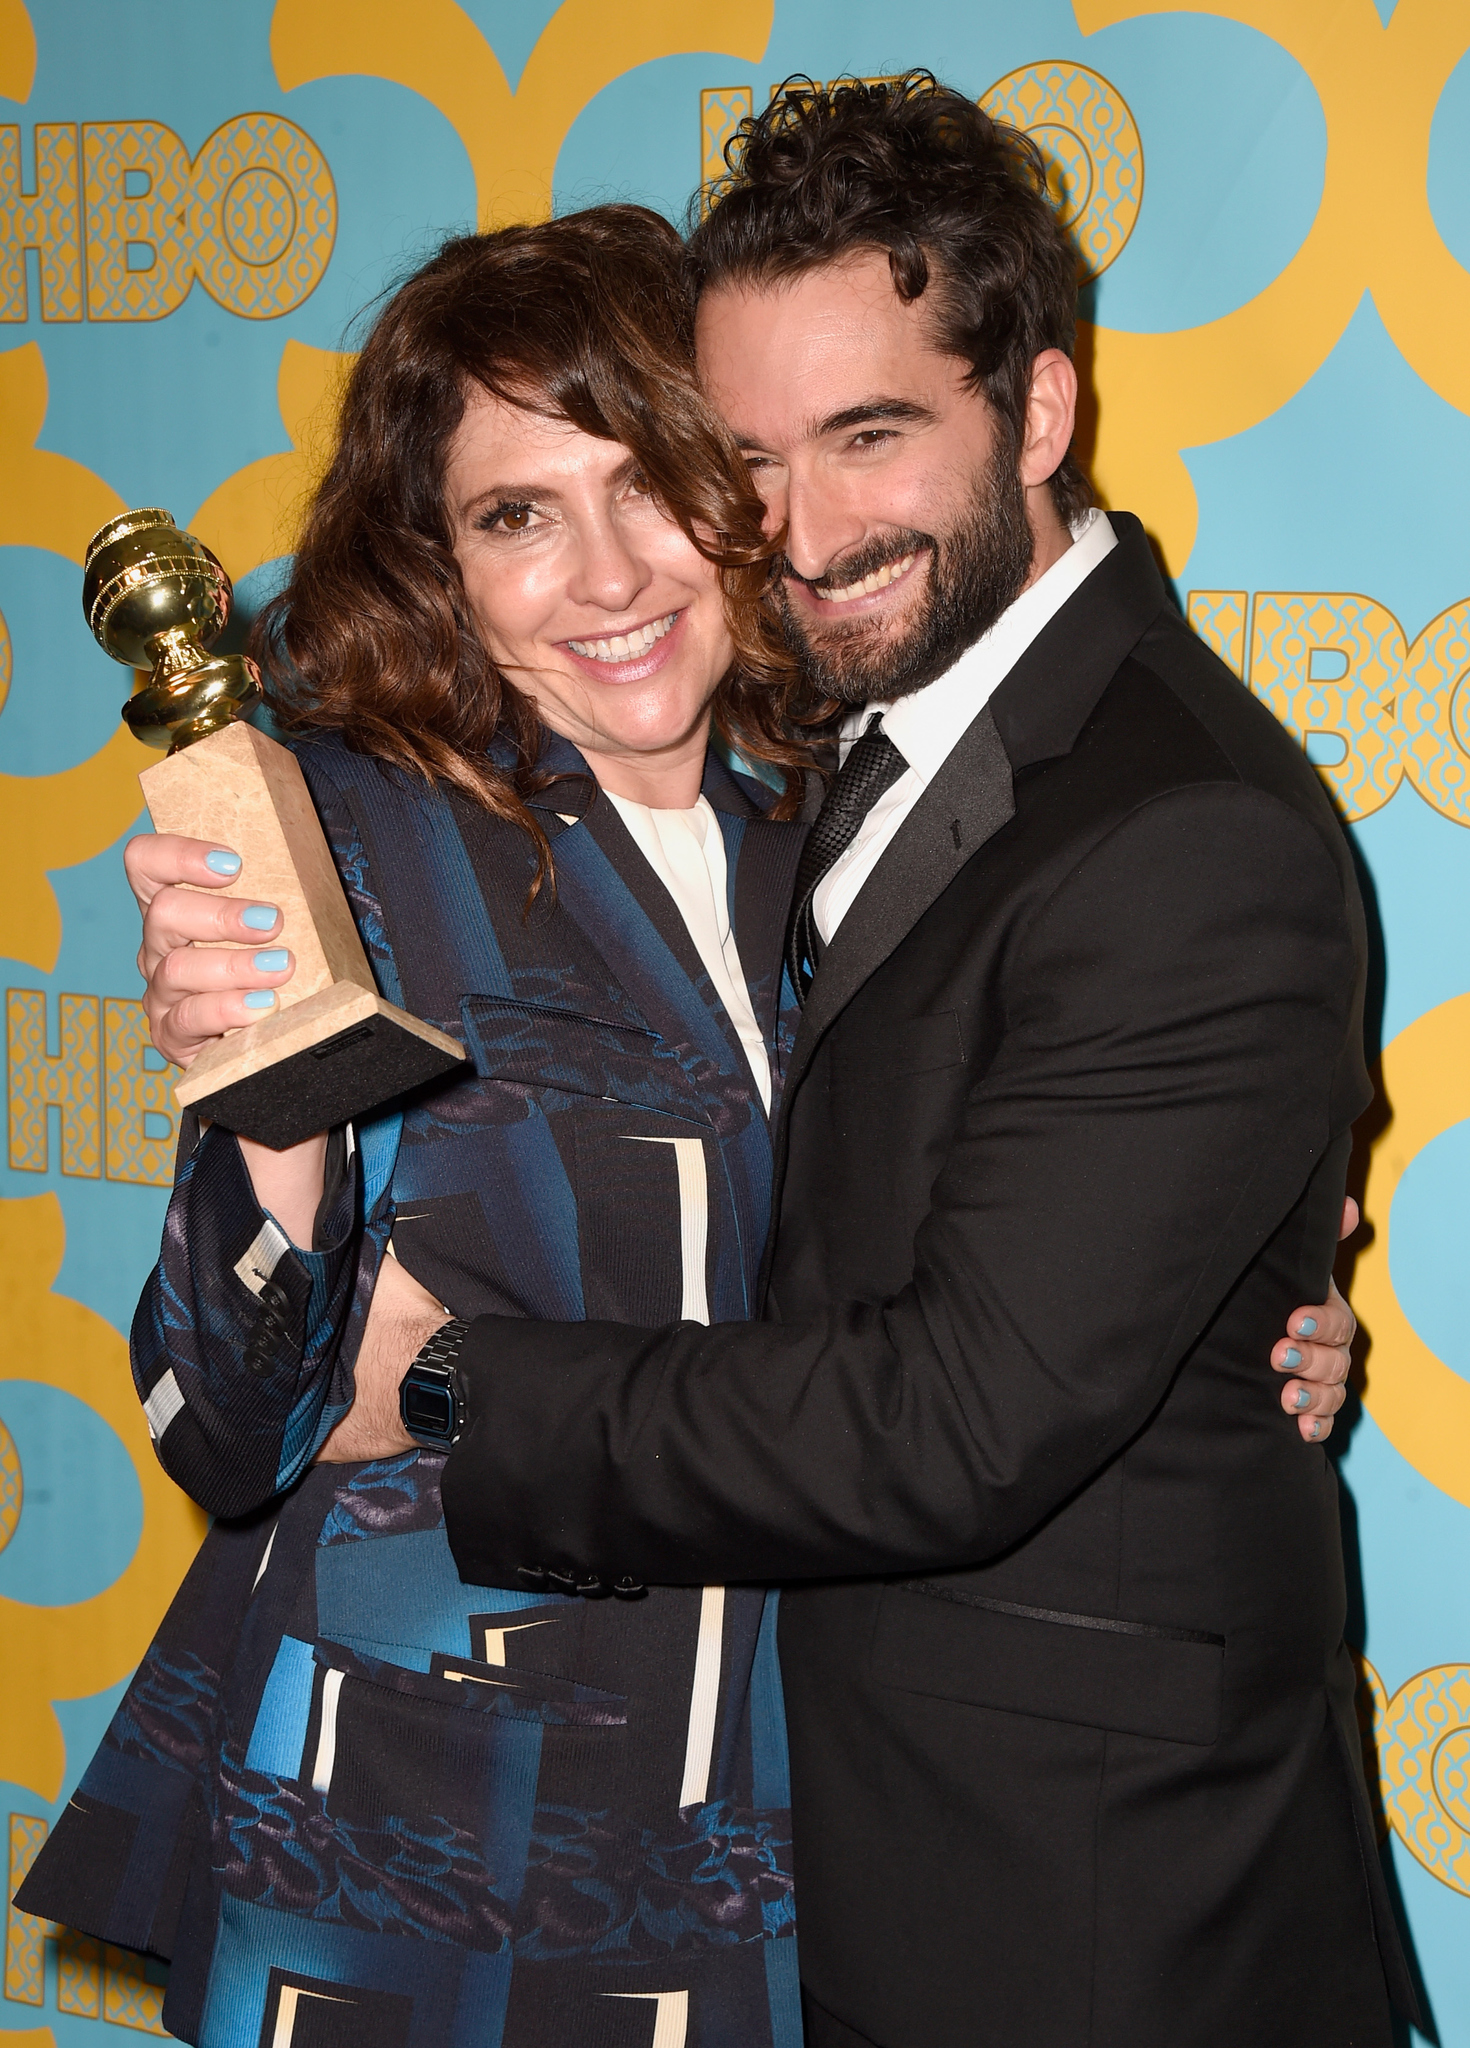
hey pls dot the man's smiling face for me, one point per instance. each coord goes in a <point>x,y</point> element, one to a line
<point>910,524</point>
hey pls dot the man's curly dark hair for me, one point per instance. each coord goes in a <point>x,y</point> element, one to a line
<point>958,202</point>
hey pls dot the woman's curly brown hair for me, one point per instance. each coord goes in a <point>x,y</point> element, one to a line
<point>585,319</point>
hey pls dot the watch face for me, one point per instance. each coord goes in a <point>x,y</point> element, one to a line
<point>428,1410</point>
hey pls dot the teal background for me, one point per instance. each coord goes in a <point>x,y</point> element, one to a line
<point>1357,483</point>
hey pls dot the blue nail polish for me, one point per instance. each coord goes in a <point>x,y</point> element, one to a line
<point>260,999</point>
<point>1307,1327</point>
<point>221,863</point>
<point>1303,1396</point>
<point>259,917</point>
<point>272,961</point>
<point>1291,1361</point>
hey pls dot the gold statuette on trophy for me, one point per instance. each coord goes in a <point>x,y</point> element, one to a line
<point>157,599</point>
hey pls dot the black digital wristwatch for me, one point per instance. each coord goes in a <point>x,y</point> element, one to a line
<point>429,1399</point>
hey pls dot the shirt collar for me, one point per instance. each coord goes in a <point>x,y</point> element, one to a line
<point>926,726</point>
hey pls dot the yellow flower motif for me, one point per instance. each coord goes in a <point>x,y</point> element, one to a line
<point>512,138</point>
<point>1379,86</point>
<point>52,821</point>
<point>253,516</point>
<point>65,1653</point>
<point>1421,1404</point>
<point>17,52</point>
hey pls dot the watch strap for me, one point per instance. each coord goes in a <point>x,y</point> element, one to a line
<point>443,1347</point>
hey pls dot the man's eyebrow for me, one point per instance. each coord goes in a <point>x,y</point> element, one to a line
<point>871,412</point>
<point>873,409</point>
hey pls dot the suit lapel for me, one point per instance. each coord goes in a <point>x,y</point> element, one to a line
<point>574,809</point>
<point>607,831</point>
<point>598,851</point>
<point>1054,688</point>
<point>760,857</point>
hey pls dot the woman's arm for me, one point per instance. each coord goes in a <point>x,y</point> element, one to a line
<point>244,1338</point>
<point>1316,1354</point>
<point>243,1342</point>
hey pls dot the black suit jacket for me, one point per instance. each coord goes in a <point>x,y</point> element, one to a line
<point>1063,1140</point>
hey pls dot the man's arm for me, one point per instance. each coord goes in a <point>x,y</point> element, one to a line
<point>401,1319</point>
<point>1161,1098</point>
<point>1313,1361</point>
<point>243,1341</point>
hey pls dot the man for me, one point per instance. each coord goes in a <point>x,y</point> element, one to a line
<point>1065,1133</point>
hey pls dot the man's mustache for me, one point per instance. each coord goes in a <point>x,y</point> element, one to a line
<point>874,554</point>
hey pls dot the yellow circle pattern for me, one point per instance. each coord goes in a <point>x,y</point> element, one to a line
<point>262,215</point>
<point>1422,1740</point>
<point>1094,157</point>
<point>12,1486</point>
<point>259,216</point>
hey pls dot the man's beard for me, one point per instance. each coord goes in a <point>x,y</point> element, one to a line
<point>976,571</point>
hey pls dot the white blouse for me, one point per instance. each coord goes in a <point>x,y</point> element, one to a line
<point>686,850</point>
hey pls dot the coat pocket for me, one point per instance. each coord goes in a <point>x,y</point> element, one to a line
<point>297,1731</point>
<point>876,1074</point>
<point>466,1685</point>
<point>445,1756</point>
<point>538,1046</point>
<point>1133,1678</point>
<point>403,1799</point>
<point>926,1044</point>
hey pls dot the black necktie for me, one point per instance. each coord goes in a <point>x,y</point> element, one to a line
<point>873,765</point>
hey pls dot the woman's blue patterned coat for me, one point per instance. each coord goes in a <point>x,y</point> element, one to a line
<point>353,1799</point>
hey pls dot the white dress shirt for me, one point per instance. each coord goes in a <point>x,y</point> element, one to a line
<point>927,726</point>
<point>686,850</point>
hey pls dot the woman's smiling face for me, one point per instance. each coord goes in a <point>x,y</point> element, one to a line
<point>588,597</point>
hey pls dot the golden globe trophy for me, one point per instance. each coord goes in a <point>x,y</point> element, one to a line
<point>332,1049</point>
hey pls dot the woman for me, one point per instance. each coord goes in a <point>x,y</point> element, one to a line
<point>348,1794</point>
<point>361,1799</point>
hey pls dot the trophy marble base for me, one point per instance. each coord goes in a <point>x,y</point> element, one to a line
<point>338,1055</point>
<point>333,1049</point>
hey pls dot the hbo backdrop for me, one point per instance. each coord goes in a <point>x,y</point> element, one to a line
<point>1272,201</point>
